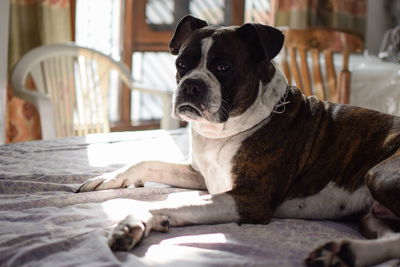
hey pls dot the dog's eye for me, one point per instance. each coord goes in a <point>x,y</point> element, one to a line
<point>180,64</point>
<point>223,67</point>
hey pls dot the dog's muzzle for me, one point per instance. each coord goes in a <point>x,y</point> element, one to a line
<point>191,99</point>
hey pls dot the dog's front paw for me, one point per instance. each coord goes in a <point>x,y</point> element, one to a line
<point>129,232</point>
<point>335,253</point>
<point>103,182</point>
<point>111,180</point>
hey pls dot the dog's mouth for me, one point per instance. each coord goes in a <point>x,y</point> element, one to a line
<point>189,110</point>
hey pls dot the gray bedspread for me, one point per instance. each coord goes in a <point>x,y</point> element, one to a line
<point>44,223</point>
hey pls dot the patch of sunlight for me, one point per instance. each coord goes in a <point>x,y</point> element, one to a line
<point>184,197</point>
<point>164,255</point>
<point>131,147</point>
<point>118,209</point>
<point>190,239</point>
<point>171,250</point>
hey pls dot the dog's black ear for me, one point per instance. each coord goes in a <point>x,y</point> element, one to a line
<point>264,41</point>
<point>182,31</point>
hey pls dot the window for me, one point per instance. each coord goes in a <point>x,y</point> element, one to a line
<point>138,32</point>
<point>260,11</point>
<point>154,21</point>
<point>99,26</point>
<point>153,70</point>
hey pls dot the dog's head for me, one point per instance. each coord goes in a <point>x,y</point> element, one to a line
<point>219,69</point>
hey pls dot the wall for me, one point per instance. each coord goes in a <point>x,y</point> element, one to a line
<point>378,21</point>
<point>4,22</point>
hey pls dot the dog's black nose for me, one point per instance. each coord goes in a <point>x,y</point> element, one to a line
<point>193,87</point>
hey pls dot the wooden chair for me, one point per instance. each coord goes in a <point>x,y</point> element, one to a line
<point>73,84</point>
<point>319,45</point>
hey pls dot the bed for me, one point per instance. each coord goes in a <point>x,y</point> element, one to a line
<point>43,222</point>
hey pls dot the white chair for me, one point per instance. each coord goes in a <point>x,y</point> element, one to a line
<point>72,89</point>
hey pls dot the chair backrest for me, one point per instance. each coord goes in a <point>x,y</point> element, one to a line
<point>75,82</point>
<point>319,45</point>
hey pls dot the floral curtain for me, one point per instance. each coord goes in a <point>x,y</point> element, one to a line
<point>345,15</point>
<point>32,23</point>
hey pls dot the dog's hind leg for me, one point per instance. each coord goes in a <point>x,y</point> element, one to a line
<point>383,181</point>
<point>360,252</point>
<point>356,252</point>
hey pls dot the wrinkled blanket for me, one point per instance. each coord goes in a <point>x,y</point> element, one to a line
<point>44,223</point>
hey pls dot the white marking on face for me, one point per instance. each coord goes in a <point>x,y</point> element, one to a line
<point>201,72</point>
<point>205,48</point>
<point>326,204</point>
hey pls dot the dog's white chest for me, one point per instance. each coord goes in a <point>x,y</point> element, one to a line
<point>212,158</point>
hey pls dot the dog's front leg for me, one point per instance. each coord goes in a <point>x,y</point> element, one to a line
<point>178,175</point>
<point>208,209</point>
